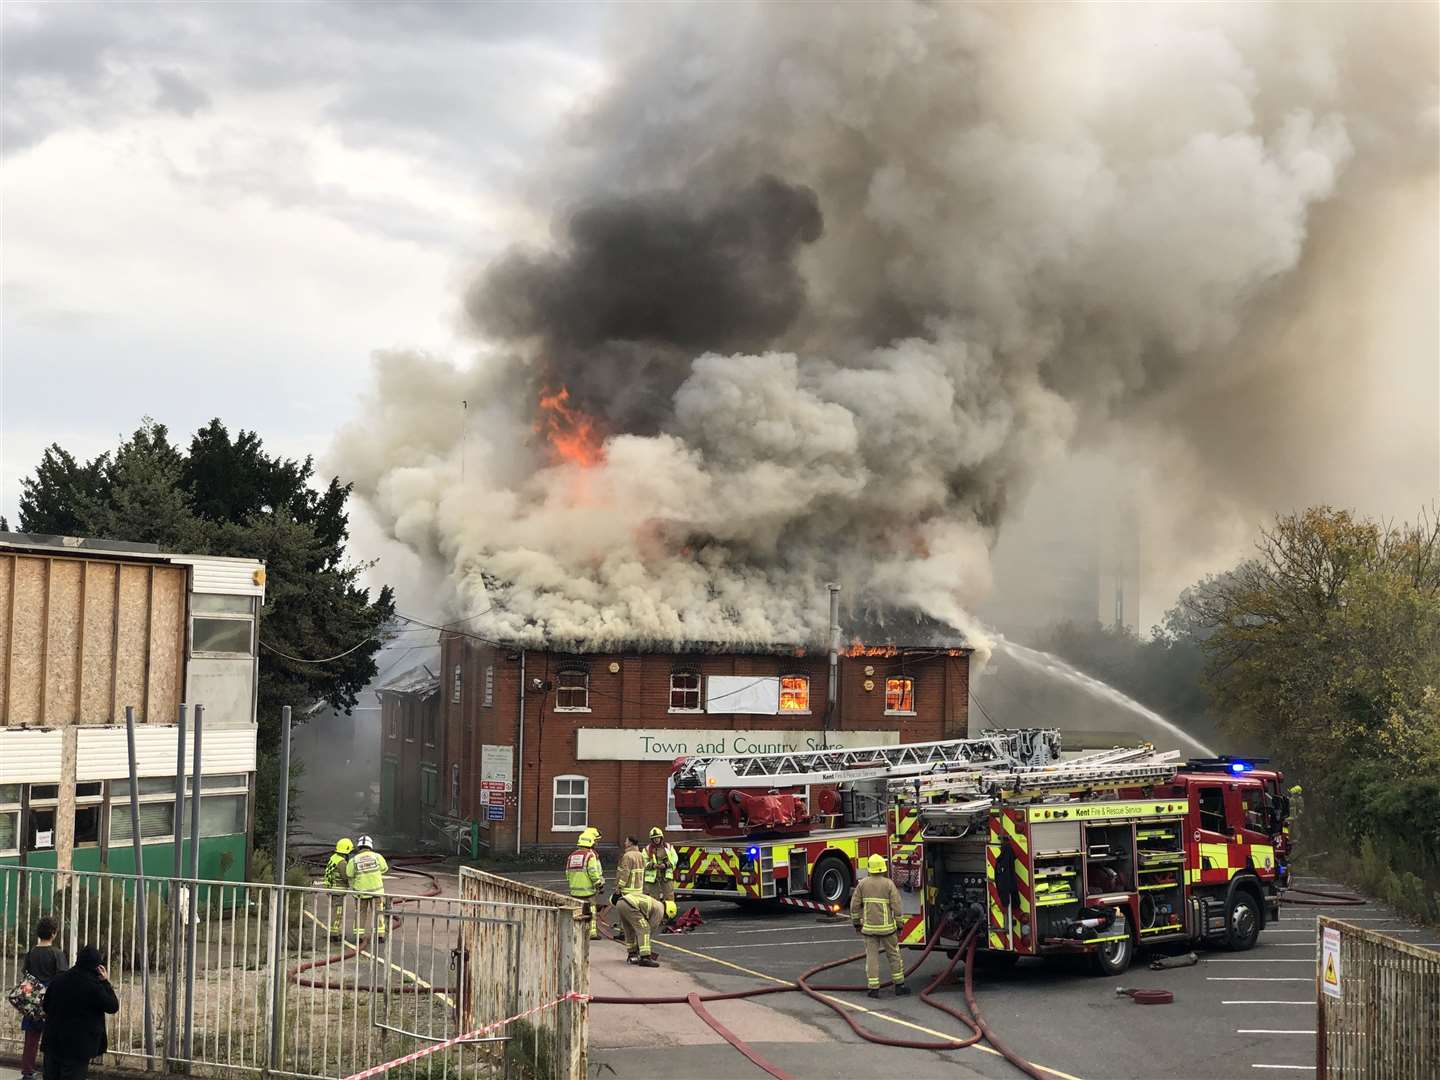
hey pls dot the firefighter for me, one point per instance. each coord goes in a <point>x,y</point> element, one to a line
<point>366,872</point>
<point>630,871</point>
<point>874,912</point>
<point>586,877</point>
<point>660,863</point>
<point>334,880</point>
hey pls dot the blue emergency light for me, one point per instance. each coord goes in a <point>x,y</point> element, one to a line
<point>1238,766</point>
<point>753,852</point>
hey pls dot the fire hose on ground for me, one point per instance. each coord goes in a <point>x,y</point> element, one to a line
<point>1329,899</point>
<point>980,1030</point>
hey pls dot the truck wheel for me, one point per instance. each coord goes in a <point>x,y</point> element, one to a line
<point>830,881</point>
<point>1242,920</point>
<point>1113,957</point>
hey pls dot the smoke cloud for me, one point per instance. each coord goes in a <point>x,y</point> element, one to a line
<point>829,289</point>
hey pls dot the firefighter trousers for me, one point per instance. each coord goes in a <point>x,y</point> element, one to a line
<point>367,914</point>
<point>890,945</point>
<point>636,924</point>
<point>591,910</point>
<point>337,911</point>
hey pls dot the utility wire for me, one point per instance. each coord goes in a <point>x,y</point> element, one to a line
<point>328,659</point>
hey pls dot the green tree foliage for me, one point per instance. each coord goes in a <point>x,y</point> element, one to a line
<point>1325,647</point>
<point>226,496</point>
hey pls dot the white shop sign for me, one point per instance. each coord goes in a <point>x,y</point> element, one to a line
<point>666,744</point>
<point>497,765</point>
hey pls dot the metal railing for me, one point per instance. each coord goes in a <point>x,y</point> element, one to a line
<point>1377,1006</point>
<point>297,981</point>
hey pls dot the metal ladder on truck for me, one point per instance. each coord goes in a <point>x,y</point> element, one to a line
<point>1020,748</point>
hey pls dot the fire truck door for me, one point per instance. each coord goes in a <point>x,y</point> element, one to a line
<point>1212,832</point>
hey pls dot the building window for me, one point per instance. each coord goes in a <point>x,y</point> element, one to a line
<point>900,695</point>
<point>795,693</point>
<point>455,687</point>
<point>431,727</point>
<point>409,722</point>
<point>157,820</point>
<point>571,805</point>
<point>429,787</point>
<point>455,789</point>
<point>489,698</point>
<point>572,690</point>
<point>394,720</point>
<point>222,625</point>
<point>684,691</point>
<point>9,819</point>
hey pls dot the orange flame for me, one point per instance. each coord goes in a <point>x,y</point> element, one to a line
<point>572,435</point>
<point>859,648</point>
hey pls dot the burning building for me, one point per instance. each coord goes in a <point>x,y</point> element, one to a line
<point>538,743</point>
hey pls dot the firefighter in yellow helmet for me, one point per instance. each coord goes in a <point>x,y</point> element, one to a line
<point>660,862</point>
<point>334,880</point>
<point>875,914</point>
<point>586,877</point>
<point>639,914</point>
<point>366,872</point>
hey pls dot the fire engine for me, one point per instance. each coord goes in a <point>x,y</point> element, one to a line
<point>1040,855</point>
<point>796,828</point>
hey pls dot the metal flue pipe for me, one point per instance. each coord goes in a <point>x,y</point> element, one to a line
<point>833,694</point>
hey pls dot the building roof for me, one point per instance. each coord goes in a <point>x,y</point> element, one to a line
<point>208,573</point>
<point>418,680</point>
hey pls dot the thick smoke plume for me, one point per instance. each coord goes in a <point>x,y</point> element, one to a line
<point>829,286</point>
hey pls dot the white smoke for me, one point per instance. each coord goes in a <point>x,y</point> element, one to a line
<point>1037,222</point>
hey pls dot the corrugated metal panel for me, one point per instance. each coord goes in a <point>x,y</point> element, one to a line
<point>102,754</point>
<point>31,756</point>
<point>235,577</point>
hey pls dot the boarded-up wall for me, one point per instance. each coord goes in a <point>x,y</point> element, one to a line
<point>82,638</point>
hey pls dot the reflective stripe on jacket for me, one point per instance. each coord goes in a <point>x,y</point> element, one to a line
<point>366,872</point>
<point>335,871</point>
<point>583,873</point>
<point>630,873</point>
<point>660,865</point>
<point>874,905</point>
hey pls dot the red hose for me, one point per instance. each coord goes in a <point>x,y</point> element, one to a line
<point>734,1040</point>
<point>990,1037</point>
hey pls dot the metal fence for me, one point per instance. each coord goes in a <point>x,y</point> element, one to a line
<point>550,960</point>
<point>296,981</point>
<point>1377,1006</point>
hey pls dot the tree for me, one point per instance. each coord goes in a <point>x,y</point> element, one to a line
<point>227,496</point>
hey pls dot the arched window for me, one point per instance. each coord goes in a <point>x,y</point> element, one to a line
<point>572,690</point>
<point>900,695</point>
<point>684,691</point>
<point>570,805</point>
<point>795,693</point>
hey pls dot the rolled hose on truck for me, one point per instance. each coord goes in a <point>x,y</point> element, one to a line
<point>981,1031</point>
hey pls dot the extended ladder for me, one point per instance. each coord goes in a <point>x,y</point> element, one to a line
<point>1011,747</point>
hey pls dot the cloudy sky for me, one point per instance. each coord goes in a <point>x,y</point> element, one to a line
<point>223,209</point>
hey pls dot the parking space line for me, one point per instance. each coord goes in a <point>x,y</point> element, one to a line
<point>1253,1002</point>
<point>1259,960</point>
<point>1258,978</point>
<point>1273,1031</point>
<point>769,944</point>
<point>1310,1068</point>
<point>779,930</point>
<point>857,1008</point>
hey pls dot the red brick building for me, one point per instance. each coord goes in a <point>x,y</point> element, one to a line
<point>411,752</point>
<point>547,742</point>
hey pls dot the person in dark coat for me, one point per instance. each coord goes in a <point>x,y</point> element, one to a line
<point>43,962</point>
<point>76,1002</point>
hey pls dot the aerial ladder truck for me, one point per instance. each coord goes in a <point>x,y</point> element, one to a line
<point>1000,836</point>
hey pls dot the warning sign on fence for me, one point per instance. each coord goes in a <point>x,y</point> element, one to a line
<point>1330,962</point>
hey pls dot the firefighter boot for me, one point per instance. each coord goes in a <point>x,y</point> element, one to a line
<point>632,957</point>
<point>648,961</point>
<point>901,990</point>
<point>874,992</point>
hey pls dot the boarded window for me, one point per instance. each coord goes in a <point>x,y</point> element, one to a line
<point>429,787</point>
<point>685,691</point>
<point>900,694</point>
<point>571,807</point>
<point>456,685</point>
<point>795,694</point>
<point>489,698</point>
<point>572,689</point>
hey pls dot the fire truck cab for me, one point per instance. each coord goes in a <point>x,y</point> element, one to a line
<point>1096,872</point>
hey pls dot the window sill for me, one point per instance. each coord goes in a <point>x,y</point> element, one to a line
<point>900,712</point>
<point>794,712</point>
<point>686,712</point>
<point>568,828</point>
<point>568,708</point>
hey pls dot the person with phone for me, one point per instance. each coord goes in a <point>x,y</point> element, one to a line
<point>76,1003</point>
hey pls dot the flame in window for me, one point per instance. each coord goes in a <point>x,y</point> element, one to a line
<point>794,693</point>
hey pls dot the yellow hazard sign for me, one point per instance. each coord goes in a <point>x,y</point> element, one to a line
<point>1330,962</point>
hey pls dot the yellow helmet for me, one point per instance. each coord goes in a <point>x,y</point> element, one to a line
<point>876,864</point>
<point>657,833</point>
<point>344,846</point>
<point>588,837</point>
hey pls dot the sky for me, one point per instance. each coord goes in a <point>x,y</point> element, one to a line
<point>224,209</point>
<point>227,209</point>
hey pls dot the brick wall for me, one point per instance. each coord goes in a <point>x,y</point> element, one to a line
<point>630,796</point>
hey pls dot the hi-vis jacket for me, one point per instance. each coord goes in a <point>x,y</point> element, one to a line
<point>366,872</point>
<point>660,863</point>
<point>335,871</point>
<point>875,905</point>
<point>584,873</point>
<point>630,873</point>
